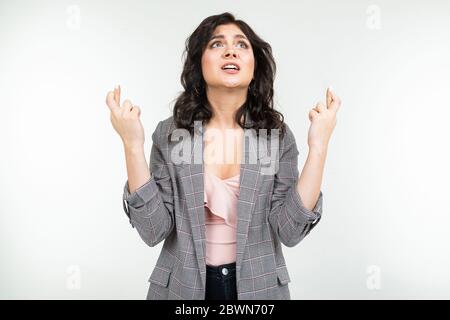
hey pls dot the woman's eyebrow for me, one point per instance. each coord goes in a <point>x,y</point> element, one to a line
<point>221,36</point>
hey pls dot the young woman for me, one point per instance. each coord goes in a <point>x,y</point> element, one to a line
<point>223,215</point>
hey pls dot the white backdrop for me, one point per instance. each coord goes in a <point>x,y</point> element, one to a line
<point>384,232</point>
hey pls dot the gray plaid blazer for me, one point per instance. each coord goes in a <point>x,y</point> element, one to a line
<point>170,207</point>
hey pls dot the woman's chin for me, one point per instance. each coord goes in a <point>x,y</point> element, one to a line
<point>232,83</point>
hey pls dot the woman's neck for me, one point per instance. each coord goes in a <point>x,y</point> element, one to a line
<point>225,102</point>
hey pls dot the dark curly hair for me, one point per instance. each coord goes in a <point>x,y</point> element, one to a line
<point>193,105</point>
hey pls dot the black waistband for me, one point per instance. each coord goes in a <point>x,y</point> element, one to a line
<point>230,266</point>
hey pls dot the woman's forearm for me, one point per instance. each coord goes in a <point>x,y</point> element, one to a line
<point>137,167</point>
<point>310,180</point>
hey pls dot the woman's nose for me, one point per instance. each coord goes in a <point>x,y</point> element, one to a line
<point>230,52</point>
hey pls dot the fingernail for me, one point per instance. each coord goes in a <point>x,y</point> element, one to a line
<point>330,89</point>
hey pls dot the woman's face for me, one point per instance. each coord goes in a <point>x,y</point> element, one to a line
<point>228,45</point>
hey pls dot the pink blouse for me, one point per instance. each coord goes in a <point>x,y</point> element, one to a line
<point>221,196</point>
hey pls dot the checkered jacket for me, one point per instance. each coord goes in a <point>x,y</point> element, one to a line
<point>170,207</point>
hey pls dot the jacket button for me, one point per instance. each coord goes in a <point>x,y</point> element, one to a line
<point>224,271</point>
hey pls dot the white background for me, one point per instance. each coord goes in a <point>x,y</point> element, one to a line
<point>384,232</point>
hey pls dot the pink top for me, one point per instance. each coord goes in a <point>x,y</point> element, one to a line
<point>221,196</point>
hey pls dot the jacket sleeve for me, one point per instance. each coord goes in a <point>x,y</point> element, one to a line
<point>288,217</point>
<point>150,208</point>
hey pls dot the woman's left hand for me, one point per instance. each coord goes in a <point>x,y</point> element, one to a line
<point>323,120</point>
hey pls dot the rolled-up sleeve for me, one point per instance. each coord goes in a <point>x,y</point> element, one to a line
<point>288,217</point>
<point>150,208</point>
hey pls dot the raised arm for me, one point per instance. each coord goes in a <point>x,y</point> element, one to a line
<point>147,194</point>
<point>290,219</point>
<point>150,208</point>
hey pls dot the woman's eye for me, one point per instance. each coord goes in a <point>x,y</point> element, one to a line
<point>218,42</point>
<point>245,45</point>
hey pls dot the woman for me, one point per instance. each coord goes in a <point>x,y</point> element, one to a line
<point>223,221</point>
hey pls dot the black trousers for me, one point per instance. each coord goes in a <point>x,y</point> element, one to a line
<point>221,282</point>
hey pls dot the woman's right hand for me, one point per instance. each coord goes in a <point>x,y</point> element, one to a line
<point>125,120</point>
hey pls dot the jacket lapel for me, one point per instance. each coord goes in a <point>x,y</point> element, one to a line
<point>192,177</point>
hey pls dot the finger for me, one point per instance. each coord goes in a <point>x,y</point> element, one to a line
<point>312,114</point>
<point>329,96</point>
<point>111,103</point>
<point>117,95</point>
<point>137,110</point>
<point>335,103</point>
<point>127,106</point>
<point>320,106</point>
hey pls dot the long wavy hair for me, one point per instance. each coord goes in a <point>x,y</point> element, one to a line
<point>192,104</point>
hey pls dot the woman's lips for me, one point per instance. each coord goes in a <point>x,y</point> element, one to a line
<point>231,71</point>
